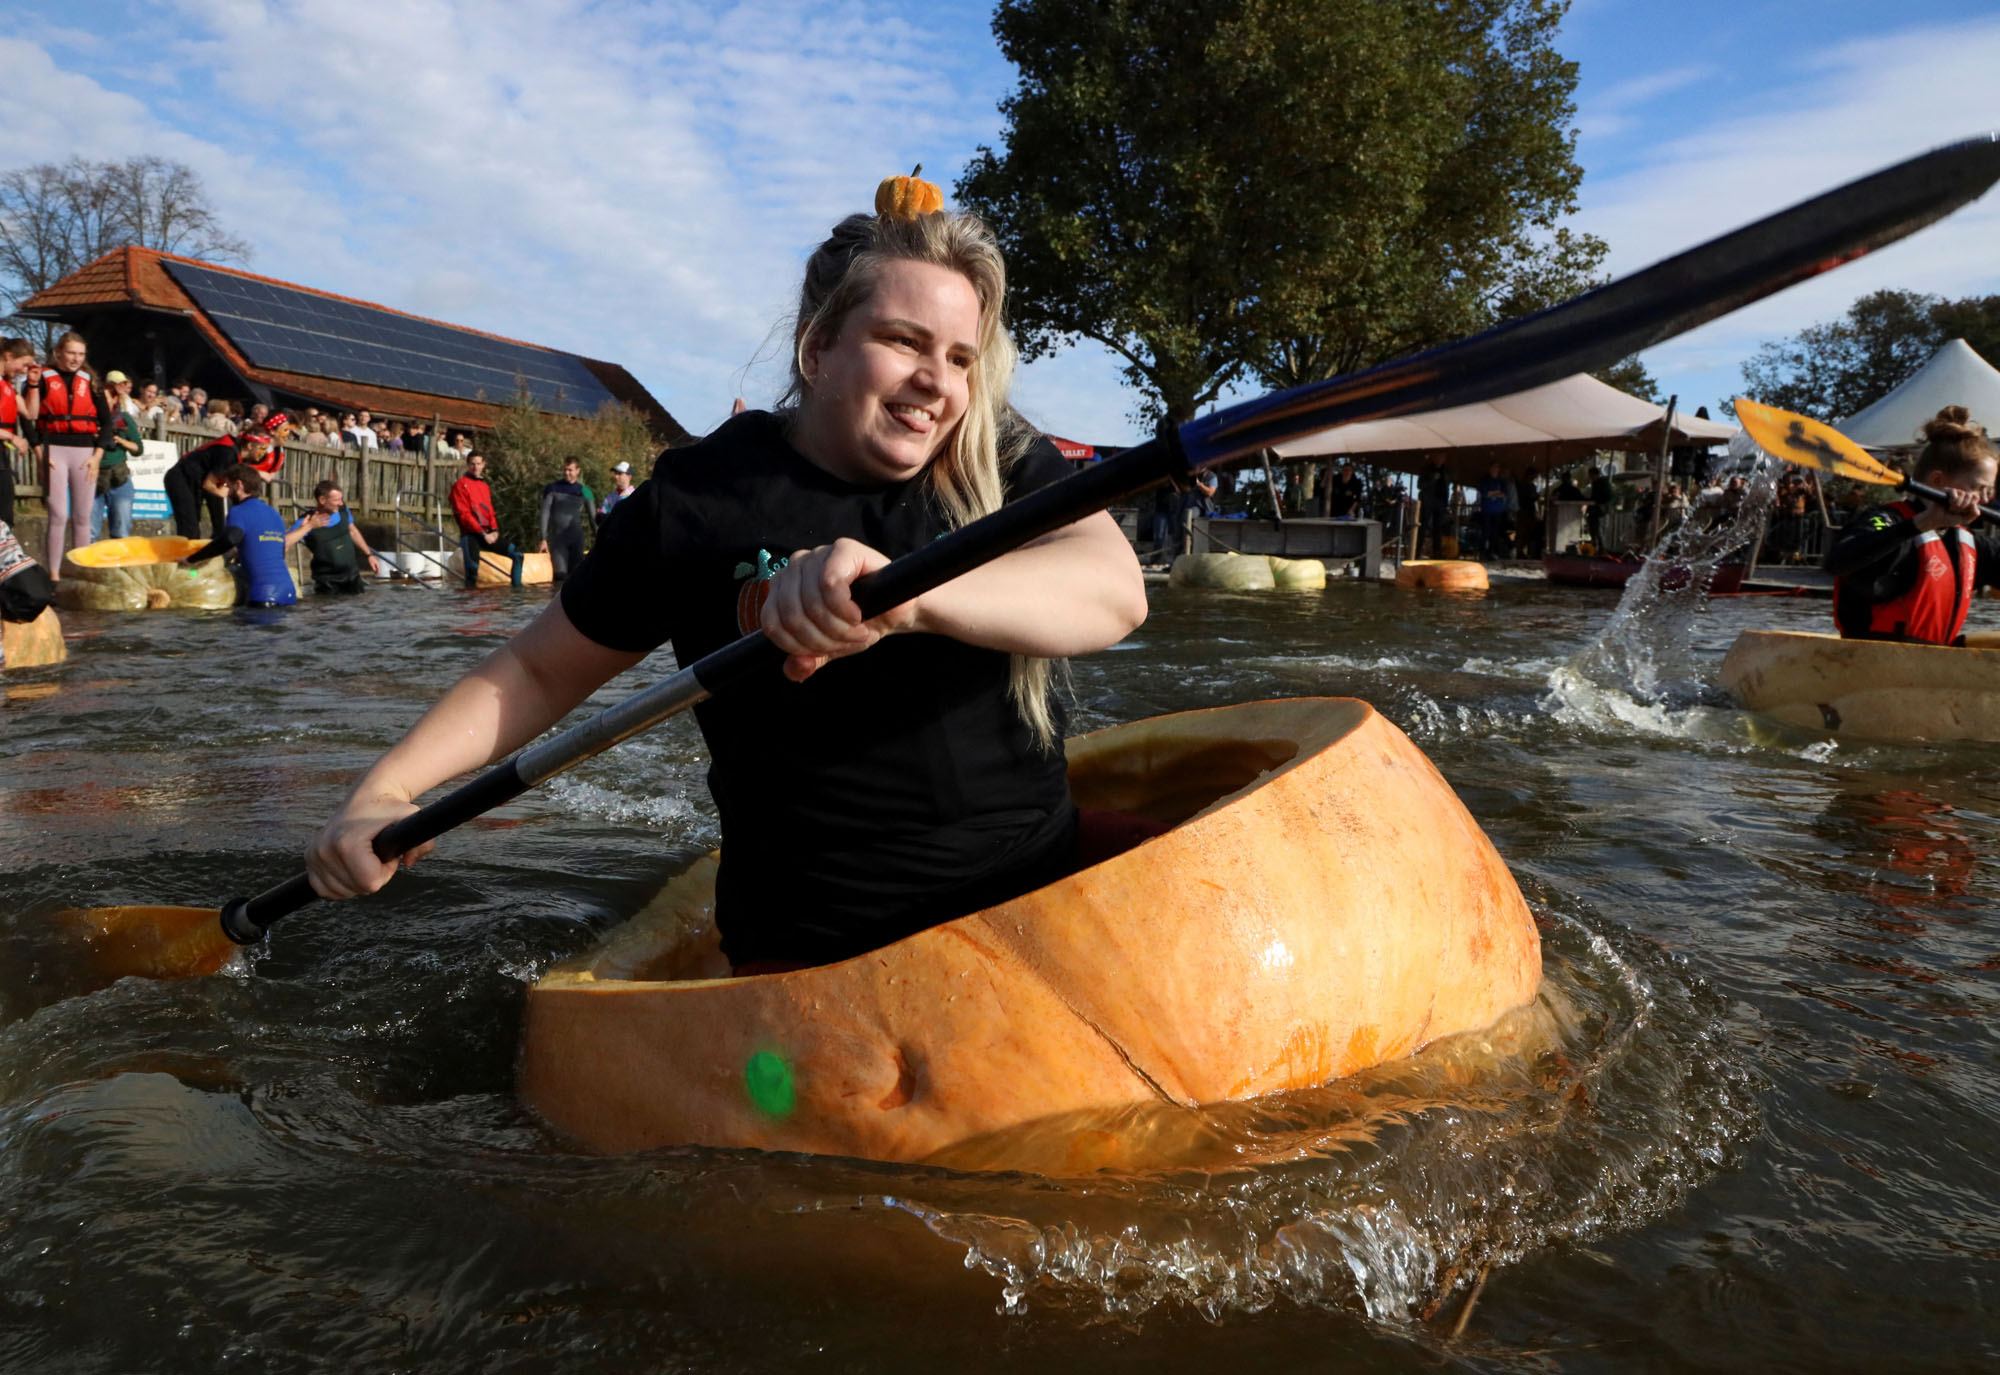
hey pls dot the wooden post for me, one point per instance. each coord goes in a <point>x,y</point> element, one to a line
<point>1660,474</point>
<point>367,493</point>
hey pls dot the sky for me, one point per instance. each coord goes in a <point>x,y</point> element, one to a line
<point>640,182</point>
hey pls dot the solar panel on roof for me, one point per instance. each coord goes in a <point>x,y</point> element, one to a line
<point>288,330</point>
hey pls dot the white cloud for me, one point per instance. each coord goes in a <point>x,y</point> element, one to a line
<point>1616,110</point>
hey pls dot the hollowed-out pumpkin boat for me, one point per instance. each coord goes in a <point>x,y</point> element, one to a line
<point>143,574</point>
<point>1869,689</point>
<point>1323,903</point>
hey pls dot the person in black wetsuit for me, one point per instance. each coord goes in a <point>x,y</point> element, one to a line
<point>1907,570</point>
<point>862,796</point>
<point>567,511</point>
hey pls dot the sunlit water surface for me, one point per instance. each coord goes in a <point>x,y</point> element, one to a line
<point>1749,1125</point>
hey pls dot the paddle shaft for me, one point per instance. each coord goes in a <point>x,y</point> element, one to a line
<point>1942,498</point>
<point>245,920</point>
<point>1591,331</point>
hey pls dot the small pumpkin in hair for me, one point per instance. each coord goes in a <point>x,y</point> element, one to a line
<point>905,198</point>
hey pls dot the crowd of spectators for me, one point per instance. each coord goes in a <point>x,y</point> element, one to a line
<point>75,427</point>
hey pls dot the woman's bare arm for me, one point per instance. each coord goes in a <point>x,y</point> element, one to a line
<point>523,688</point>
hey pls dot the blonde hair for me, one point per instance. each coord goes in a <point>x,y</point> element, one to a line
<point>966,477</point>
<point>1953,444</point>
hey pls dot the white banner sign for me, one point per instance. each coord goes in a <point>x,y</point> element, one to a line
<point>149,475</point>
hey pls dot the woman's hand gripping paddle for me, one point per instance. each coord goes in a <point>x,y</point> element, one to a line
<point>1813,444</point>
<point>1589,332</point>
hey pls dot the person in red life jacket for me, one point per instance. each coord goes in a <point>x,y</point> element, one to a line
<point>76,423</point>
<point>270,431</point>
<point>17,359</point>
<point>1907,570</point>
<point>478,526</point>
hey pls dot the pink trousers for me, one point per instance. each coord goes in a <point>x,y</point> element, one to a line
<point>71,490</point>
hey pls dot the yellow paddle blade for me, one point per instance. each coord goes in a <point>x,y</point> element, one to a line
<point>1812,444</point>
<point>154,942</point>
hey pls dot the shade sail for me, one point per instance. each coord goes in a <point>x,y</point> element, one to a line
<point>1955,376</point>
<point>1562,422</point>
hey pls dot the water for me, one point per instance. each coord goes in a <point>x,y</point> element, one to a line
<point>1748,1126</point>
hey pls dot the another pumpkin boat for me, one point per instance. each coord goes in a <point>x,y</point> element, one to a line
<point>33,644</point>
<point>142,574</point>
<point>1869,689</point>
<point>1323,903</point>
<point>497,570</point>
<point>1247,573</point>
<point>1442,575</point>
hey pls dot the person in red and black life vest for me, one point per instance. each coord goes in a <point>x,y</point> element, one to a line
<point>267,457</point>
<point>198,480</point>
<point>17,362</point>
<point>1907,570</point>
<point>75,419</point>
<point>478,526</point>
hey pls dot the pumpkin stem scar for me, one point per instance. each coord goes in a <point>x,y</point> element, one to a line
<point>768,1079</point>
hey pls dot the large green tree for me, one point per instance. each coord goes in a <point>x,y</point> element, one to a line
<point>1284,189</point>
<point>1833,369</point>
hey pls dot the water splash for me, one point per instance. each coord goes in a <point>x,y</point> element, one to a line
<point>1642,670</point>
<point>1593,1110</point>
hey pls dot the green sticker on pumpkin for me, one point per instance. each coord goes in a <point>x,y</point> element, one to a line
<point>769,1080</point>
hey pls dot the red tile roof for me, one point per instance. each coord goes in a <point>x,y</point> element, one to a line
<point>134,277</point>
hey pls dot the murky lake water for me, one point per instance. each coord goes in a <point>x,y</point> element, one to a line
<point>1758,1135</point>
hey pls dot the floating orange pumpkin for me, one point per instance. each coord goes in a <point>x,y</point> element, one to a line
<point>905,198</point>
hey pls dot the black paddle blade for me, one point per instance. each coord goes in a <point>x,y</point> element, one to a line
<point>1628,315</point>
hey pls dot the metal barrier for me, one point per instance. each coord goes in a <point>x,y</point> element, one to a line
<point>419,498</point>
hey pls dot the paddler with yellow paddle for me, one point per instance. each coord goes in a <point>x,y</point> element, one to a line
<point>1906,570</point>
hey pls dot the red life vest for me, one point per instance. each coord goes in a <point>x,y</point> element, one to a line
<point>10,407</point>
<point>1933,610</point>
<point>68,408</point>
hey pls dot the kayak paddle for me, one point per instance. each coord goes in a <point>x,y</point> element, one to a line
<point>1590,331</point>
<point>1814,444</point>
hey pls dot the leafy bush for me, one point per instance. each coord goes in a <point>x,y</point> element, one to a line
<point>529,446</point>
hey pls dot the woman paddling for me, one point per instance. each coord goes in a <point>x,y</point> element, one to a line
<point>1907,570</point>
<point>861,798</point>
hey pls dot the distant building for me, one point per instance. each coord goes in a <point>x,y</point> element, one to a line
<point>235,334</point>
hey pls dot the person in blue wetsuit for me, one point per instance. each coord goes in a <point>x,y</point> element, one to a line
<point>566,513</point>
<point>255,540</point>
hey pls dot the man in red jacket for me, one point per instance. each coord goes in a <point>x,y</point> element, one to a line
<point>478,527</point>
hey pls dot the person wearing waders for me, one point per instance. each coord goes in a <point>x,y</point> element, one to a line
<point>566,514</point>
<point>255,541</point>
<point>478,527</point>
<point>1908,570</point>
<point>335,543</point>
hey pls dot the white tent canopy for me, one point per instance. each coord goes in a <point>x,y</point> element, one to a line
<point>1955,376</point>
<point>1563,422</point>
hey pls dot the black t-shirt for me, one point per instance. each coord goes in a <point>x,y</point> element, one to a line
<point>197,465</point>
<point>894,789</point>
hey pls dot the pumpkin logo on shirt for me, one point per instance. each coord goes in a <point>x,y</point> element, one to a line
<point>750,598</point>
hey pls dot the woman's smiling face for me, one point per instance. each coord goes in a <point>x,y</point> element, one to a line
<point>885,392</point>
